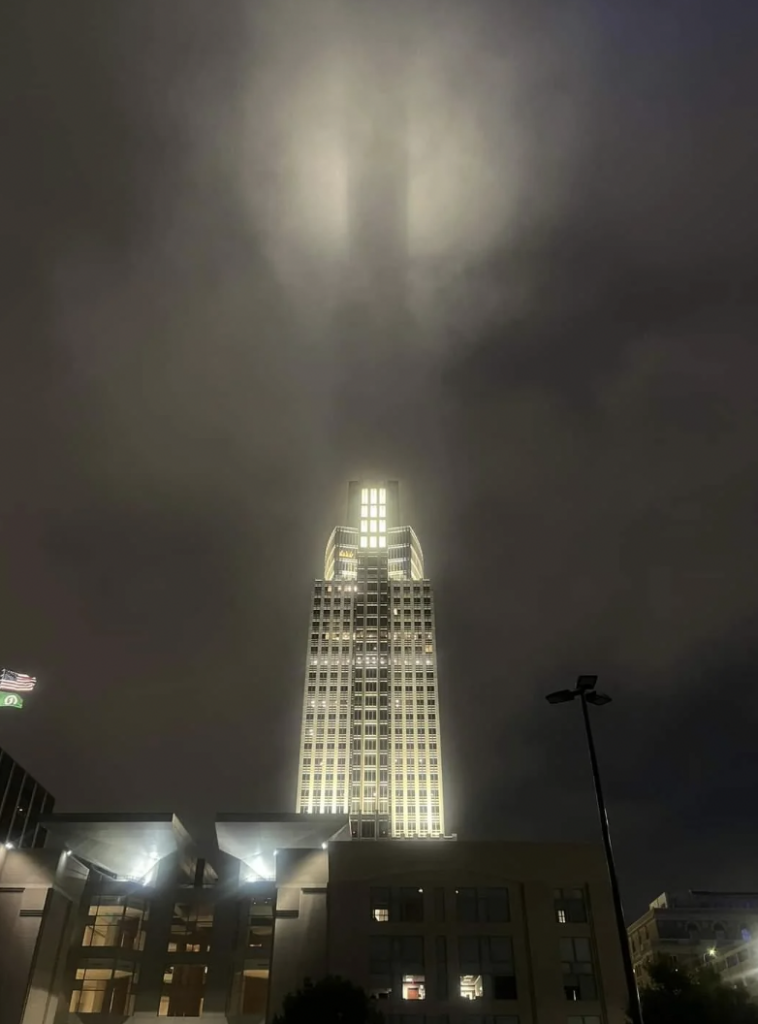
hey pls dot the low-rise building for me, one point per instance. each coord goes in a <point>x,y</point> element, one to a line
<point>124,920</point>
<point>692,927</point>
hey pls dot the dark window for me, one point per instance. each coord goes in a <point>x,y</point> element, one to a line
<point>183,990</point>
<point>440,950</point>
<point>411,904</point>
<point>191,928</point>
<point>503,986</point>
<point>439,904</point>
<point>396,954</point>
<point>569,906</point>
<point>578,971</point>
<point>486,905</point>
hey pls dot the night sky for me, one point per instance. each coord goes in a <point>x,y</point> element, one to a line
<point>189,378</point>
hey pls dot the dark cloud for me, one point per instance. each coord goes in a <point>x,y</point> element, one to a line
<point>564,376</point>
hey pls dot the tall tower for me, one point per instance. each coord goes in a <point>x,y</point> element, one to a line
<point>370,743</point>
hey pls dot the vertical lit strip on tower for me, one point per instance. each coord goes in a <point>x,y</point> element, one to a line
<point>373,517</point>
<point>370,743</point>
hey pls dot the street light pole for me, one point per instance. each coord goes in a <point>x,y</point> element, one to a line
<point>635,1011</point>
<point>585,691</point>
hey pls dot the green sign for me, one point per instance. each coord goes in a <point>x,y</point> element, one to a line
<point>11,700</point>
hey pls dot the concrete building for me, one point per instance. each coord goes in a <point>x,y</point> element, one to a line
<point>126,921</point>
<point>23,801</point>
<point>370,742</point>
<point>693,927</point>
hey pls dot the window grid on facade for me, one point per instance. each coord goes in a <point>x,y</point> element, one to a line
<point>569,906</point>
<point>578,971</point>
<point>118,923</point>
<point>486,967</point>
<point>370,740</point>
<point>103,986</point>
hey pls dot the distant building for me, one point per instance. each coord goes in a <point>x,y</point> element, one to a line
<point>23,801</point>
<point>693,927</point>
<point>124,920</point>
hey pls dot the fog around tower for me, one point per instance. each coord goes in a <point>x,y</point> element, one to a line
<point>194,363</point>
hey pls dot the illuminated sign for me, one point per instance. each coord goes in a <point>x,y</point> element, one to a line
<point>11,700</point>
<point>347,554</point>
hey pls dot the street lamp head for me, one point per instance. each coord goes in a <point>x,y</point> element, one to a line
<point>586,683</point>
<point>598,699</point>
<point>560,697</point>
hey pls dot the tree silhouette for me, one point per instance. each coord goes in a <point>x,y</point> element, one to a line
<point>676,995</point>
<point>332,1000</point>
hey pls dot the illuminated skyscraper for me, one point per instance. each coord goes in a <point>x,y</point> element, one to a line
<point>370,742</point>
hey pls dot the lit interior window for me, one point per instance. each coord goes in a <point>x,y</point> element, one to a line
<point>382,542</point>
<point>364,525</point>
<point>364,495</point>
<point>382,526</point>
<point>471,986</point>
<point>372,542</point>
<point>364,542</point>
<point>413,986</point>
<point>372,526</point>
<point>373,495</point>
<point>382,495</point>
<point>373,510</point>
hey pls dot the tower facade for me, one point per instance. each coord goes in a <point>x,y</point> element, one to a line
<point>370,744</point>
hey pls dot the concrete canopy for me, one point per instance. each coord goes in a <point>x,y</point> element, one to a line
<point>251,836</point>
<point>127,845</point>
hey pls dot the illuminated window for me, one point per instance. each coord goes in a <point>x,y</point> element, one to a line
<point>373,495</point>
<point>364,542</point>
<point>414,986</point>
<point>372,526</point>
<point>364,494</point>
<point>382,495</point>
<point>116,924</point>
<point>382,542</point>
<point>372,542</point>
<point>106,988</point>
<point>382,526</point>
<point>487,969</point>
<point>471,986</point>
<point>380,904</point>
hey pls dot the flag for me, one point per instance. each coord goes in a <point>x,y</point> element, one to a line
<point>11,700</point>
<point>16,681</point>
